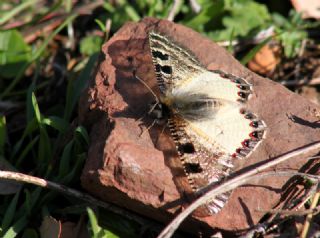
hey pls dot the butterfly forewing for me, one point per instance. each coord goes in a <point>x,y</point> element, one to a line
<point>172,63</point>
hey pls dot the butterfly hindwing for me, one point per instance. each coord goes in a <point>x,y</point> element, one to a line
<point>202,166</point>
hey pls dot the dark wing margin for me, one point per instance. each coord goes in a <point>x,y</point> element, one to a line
<point>201,166</point>
<point>171,62</point>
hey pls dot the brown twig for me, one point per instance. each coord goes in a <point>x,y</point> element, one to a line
<point>294,213</point>
<point>52,21</point>
<point>297,71</point>
<point>19,177</point>
<point>306,225</point>
<point>173,10</point>
<point>261,36</point>
<point>308,195</point>
<point>314,81</point>
<point>108,28</point>
<point>195,6</point>
<point>231,184</point>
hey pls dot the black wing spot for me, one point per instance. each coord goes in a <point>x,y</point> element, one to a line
<point>186,148</point>
<point>166,69</point>
<point>254,124</point>
<point>243,95</point>
<point>193,168</point>
<point>160,55</point>
<point>157,68</point>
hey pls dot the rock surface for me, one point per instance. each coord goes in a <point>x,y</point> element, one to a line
<point>128,163</point>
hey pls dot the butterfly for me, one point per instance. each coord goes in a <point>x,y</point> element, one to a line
<point>206,114</point>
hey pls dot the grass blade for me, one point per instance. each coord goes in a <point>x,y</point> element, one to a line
<point>8,216</point>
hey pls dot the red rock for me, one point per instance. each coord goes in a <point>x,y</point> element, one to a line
<point>132,170</point>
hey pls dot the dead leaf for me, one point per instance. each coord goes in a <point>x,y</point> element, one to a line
<point>50,228</point>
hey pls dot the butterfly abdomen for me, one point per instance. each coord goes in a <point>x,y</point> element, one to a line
<point>193,107</point>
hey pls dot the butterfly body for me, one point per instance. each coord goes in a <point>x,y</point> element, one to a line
<point>206,113</point>
<point>191,106</point>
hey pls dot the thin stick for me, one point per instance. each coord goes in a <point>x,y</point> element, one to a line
<point>293,213</point>
<point>108,28</point>
<point>306,225</point>
<point>314,81</point>
<point>173,10</point>
<point>261,36</point>
<point>19,177</point>
<point>195,6</point>
<point>231,184</point>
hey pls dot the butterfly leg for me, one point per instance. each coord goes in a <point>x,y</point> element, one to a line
<point>148,128</point>
<point>162,131</point>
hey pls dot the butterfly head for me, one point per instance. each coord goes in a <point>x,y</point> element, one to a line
<point>158,111</point>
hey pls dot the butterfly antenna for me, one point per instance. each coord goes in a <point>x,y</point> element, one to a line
<point>147,86</point>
